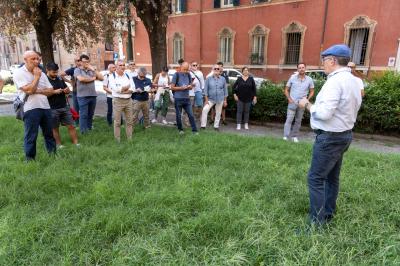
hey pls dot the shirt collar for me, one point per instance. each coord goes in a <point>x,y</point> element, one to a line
<point>342,69</point>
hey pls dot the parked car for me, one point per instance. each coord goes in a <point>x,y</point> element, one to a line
<point>233,74</point>
<point>13,67</point>
<point>6,76</point>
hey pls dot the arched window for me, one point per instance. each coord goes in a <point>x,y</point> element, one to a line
<point>292,43</point>
<point>358,36</point>
<point>258,45</point>
<point>177,44</point>
<point>226,41</point>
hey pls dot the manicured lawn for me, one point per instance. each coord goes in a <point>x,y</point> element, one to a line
<point>165,199</point>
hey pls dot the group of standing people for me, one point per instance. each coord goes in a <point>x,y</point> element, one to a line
<point>192,95</point>
<point>332,116</point>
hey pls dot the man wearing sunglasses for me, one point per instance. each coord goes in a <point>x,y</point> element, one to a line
<point>197,92</point>
<point>131,70</point>
<point>70,72</point>
<point>216,93</point>
<point>332,117</point>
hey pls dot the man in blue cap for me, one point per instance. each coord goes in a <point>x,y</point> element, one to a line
<point>332,117</point>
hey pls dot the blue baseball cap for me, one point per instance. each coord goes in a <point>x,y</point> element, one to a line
<point>340,50</point>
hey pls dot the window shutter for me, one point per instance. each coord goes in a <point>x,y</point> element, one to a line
<point>183,6</point>
<point>236,2</point>
<point>217,3</point>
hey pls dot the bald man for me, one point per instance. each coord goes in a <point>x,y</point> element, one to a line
<point>33,88</point>
<point>182,83</point>
<point>360,82</point>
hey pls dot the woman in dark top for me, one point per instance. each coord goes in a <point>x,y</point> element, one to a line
<point>244,91</point>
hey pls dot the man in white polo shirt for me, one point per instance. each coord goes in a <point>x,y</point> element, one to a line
<point>332,117</point>
<point>34,87</point>
<point>122,87</point>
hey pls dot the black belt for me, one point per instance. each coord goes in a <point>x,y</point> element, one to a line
<point>320,131</point>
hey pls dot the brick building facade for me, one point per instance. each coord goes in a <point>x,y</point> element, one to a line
<point>272,36</point>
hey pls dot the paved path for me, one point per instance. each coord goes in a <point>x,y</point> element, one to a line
<point>375,143</point>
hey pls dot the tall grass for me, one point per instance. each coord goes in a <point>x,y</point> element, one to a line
<point>165,199</point>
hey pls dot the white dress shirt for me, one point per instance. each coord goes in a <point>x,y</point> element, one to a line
<point>337,103</point>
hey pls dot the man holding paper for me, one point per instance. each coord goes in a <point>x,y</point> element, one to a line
<point>140,97</point>
<point>121,88</point>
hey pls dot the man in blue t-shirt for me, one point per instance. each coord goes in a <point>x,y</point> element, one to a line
<point>140,97</point>
<point>181,85</point>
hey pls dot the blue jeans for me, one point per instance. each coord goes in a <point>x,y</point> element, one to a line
<point>87,105</point>
<point>198,99</point>
<point>75,105</point>
<point>32,120</point>
<point>297,114</point>
<point>109,111</point>
<point>187,106</point>
<point>323,176</point>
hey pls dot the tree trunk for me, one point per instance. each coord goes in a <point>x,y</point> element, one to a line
<point>44,33</point>
<point>45,42</point>
<point>155,19</point>
<point>158,48</point>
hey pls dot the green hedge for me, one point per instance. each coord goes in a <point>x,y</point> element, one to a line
<point>379,113</point>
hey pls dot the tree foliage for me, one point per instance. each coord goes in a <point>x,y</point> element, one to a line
<point>74,22</point>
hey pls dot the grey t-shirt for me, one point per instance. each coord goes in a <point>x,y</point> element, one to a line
<point>299,88</point>
<point>85,89</point>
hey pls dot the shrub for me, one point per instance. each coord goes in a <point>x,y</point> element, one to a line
<point>379,113</point>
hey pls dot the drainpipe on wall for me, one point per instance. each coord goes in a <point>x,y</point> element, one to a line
<point>370,53</point>
<point>397,68</point>
<point>201,33</point>
<point>323,29</point>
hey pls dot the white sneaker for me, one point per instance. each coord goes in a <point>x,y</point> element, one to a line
<point>77,145</point>
<point>60,147</point>
<point>153,121</point>
<point>285,138</point>
<point>164,122</point>
<point>246,126</point>
<point>295,139</point>
<point>238,126</point>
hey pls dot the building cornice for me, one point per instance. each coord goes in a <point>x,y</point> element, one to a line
<point>248,6</point>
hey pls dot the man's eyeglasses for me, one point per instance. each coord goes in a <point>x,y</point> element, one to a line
<point>77,60</point>
<point>194,65</point>
<point>323,59</point>
<point>216,68</point>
